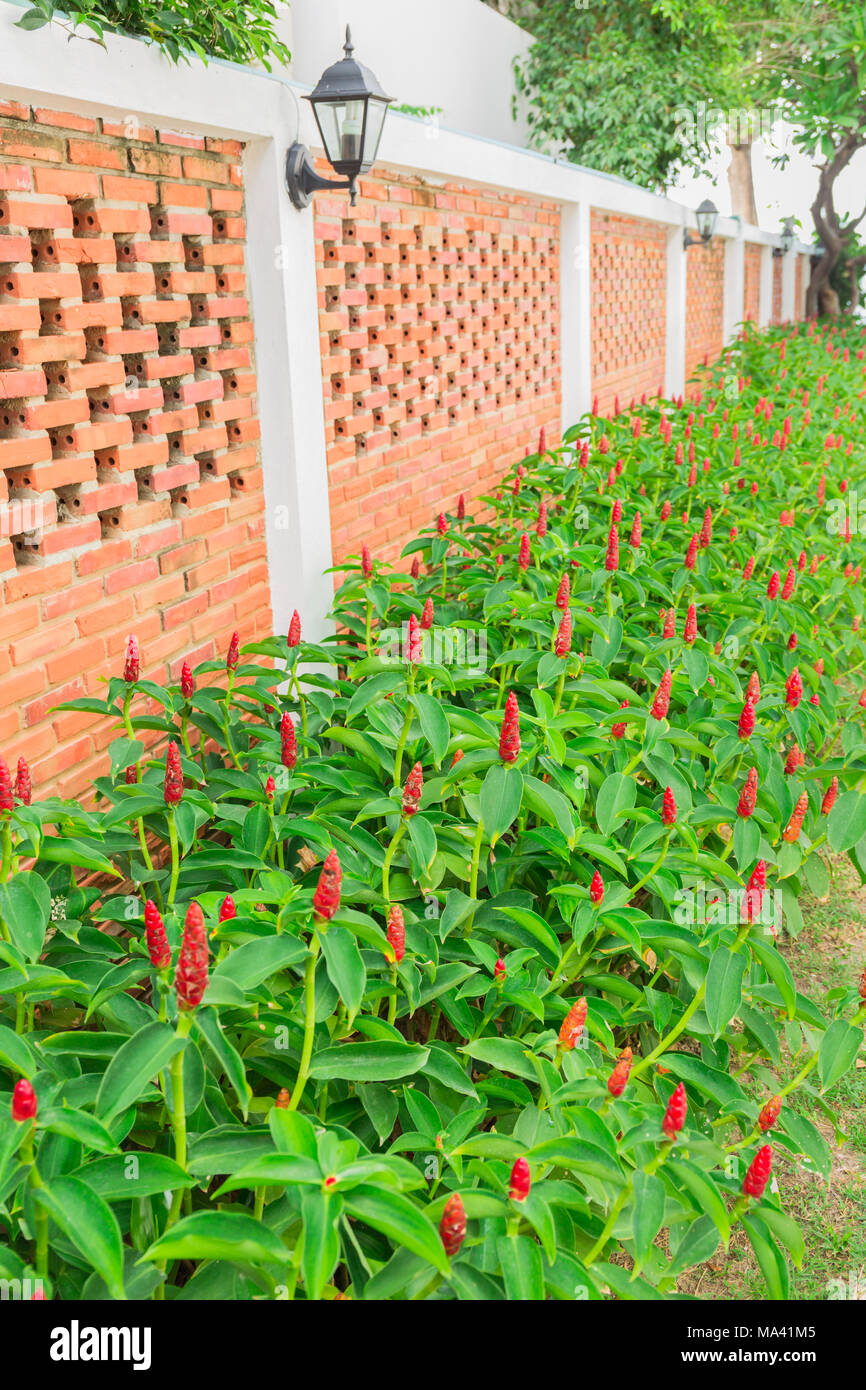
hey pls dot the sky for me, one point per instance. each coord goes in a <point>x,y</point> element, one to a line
<point>779,193</point>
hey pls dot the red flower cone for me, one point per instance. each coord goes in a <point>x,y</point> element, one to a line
<point>157,942</point>
<point>791,833</point>
<point>227,909</point>
<point>187,683</point>
<point>573,1025</point>
<point>690,631</point>
<point>396,933</point>
<point>562,645</point>
<point>132,665</point>
<point>427,615</point>
<point>190,980</point>
<point>524,553</point>
<point>509,737</point>
<point>415,641</point>
<point>830,797</point>
<point>563,593</point>
<point>611,559</point>
<point>793,689</point>
<point>618,1079</point>
<point>770,1113</point>
<point>618,730</point>
<point>23,787</point>
<point>758,1176</point>
<point>669,808</point>
<point>326,898</point>
<point>661,703</point>
<point>288,742</point>
<point>754,894</point>
<point>746,724</point>
<point>412,791</point>
<point>749,795</point>
<point>293,638</point>
<point>675,1115</point>
<point>233,652</point>
<point>596,888</point>
<point>24,1103</point>
<point>173,785</point>
<point>452,1227</point>
<point>521,1180</point>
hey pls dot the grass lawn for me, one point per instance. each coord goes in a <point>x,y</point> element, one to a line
<point>829,952</point>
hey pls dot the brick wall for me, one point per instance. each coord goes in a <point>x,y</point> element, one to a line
<point>130,482</point>
<point>705,300</point>
<point>752,256</point>
<point>439,319</point>
<point>629,294</point>
<point>776,301</point>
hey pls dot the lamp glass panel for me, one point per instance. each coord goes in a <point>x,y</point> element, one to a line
<point>373,133</point>
<point>341,124</point>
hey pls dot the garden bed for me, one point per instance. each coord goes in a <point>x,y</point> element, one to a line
<point>462,971</point>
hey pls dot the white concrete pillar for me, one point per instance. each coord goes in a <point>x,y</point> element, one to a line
<point>735,275</point>
<point>575,254</point>
<point>675,318</point>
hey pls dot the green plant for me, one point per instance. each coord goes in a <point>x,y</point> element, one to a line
<point>411,975</point>
<point>241,31</point>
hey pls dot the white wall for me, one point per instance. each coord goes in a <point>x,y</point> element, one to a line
<point>455,54</point>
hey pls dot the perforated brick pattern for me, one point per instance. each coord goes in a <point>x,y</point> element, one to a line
<point>439,319</point>
<point>776,310</point>
<point>628,307</point>
<point>130,483</point>
<point>705,303</point>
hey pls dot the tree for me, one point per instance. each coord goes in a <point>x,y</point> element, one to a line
<point>814,68</point>
<point>639,88</point>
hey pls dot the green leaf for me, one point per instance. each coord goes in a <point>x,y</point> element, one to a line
<point>249,965</point>
<point>320,1212</point>
<point>345,967</point>
<point>219,1235</point>
<point>773,1264</point>
<point>77,1125</point>
<point>846,824</point>
<point>724,987</point>
<point>135,1064</point>
<point>434,725</point>
<point>617,795</point>
<point>89,1224</point>
<point>25,907</point>
<point>647,1213</point>
<point>206,1024</point>
<point>839,1047</point>
<point>522,1270</point>
<point>500,798</point>
<point>369,1061</point>
<point>398,1219</point>
<point>123,1177</point>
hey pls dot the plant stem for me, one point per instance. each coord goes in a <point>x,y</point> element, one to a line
<point>309,1021</point>
<point>175,856</point>
<point>404,732</point>
<point>386,867</point>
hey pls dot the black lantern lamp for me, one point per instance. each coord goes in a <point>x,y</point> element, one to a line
<point>786,240</point>
<point>706,217</point>
<point>349,106</point>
